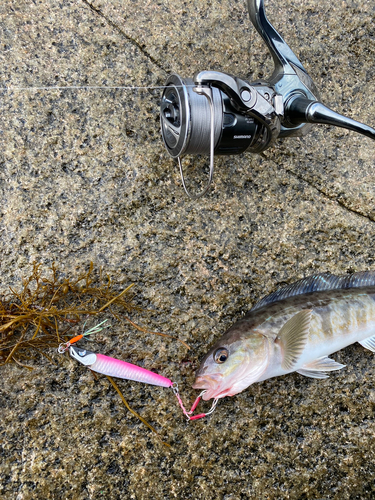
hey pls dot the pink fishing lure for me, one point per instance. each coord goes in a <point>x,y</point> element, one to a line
<point>117,368</point>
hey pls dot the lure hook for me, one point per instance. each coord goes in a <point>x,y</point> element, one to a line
<point>189,414</point>
<point>95,329</point>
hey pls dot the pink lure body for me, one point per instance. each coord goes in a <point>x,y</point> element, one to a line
<point>121,369</point>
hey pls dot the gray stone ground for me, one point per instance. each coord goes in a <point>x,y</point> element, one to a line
<point>84,176</point>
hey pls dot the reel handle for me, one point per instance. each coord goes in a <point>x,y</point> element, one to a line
<point>301,110</point>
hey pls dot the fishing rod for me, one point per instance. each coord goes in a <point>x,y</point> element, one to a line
<point>219,114</point>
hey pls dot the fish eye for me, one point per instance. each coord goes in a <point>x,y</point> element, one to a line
<point>221,355</point>
<point>82,353</point>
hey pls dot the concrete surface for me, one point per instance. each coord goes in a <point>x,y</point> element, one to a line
<point>84,176</point>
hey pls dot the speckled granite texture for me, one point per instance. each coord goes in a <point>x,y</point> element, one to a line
<point>84,176</point>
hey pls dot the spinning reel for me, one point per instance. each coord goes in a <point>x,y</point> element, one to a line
<point>218,114</point>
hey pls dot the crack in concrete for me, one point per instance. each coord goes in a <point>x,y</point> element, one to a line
<point>340,203</point>
<point>128,37</point>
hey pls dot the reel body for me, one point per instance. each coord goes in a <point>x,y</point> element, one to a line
<point>219,114</point>
<point>186,121</point>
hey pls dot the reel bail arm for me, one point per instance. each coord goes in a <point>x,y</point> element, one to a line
<point>207,92</point>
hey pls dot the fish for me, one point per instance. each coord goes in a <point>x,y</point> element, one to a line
<point>114,367</point>
<point>294,329</point>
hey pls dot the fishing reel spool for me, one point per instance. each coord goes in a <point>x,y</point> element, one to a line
<point>218,114</point>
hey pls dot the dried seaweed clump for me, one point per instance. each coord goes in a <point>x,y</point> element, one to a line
<point>43,313</point>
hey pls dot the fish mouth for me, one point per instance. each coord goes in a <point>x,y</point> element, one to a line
<point>205,382</point>
<point>200,383</point>
<point>209,384</point>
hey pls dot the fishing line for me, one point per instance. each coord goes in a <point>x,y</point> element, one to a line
<point>94,87</point>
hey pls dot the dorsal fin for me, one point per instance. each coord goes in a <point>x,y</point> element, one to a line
<point>318,283</point>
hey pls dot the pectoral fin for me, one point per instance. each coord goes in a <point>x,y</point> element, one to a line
<point>293,337</point>
<point>318,367</point>
<point>369,343</point>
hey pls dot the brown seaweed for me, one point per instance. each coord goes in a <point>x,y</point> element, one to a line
<point>43,314</point>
